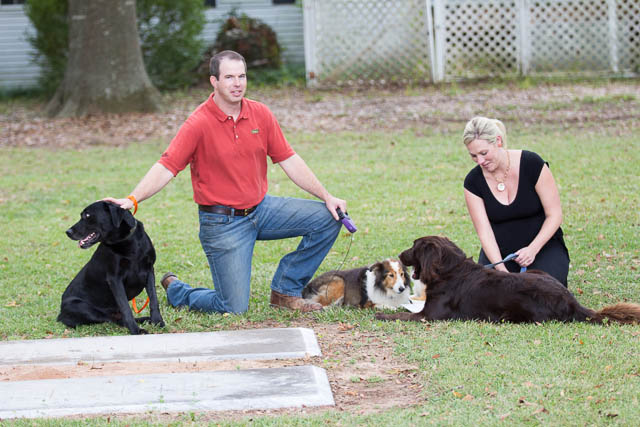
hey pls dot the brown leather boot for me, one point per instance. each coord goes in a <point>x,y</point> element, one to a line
<point>293,303</point>
<point>166,280</point>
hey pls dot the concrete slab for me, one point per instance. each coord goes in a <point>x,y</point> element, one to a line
<point>202,391</point>
<point>272,343</point>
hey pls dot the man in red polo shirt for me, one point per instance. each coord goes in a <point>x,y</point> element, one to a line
<point>226,141</point>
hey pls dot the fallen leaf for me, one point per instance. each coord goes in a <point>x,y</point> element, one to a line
<point>522,401</point>
<point>345,326</point>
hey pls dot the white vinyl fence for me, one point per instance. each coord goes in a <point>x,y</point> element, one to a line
<point>385,41</point>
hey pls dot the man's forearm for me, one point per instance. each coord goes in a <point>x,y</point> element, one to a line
<point>155,180</point>
<point>301,175</point>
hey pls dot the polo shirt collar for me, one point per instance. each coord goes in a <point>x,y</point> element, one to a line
<point>221,115</point>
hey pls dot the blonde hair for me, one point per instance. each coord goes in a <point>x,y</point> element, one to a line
<point>484,128</point>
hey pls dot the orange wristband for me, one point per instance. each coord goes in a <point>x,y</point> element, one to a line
<point>135,204</point>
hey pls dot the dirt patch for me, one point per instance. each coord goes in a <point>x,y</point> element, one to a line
<point>364,373</point>
<point>615,105</point>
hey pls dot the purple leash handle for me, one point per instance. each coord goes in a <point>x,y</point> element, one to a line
<point>346,221</point>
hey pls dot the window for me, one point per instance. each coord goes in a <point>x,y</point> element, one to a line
<point>11,2</point>
<point>209,3</point>
<point>284,1</point>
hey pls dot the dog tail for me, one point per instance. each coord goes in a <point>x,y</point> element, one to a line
<point>623,312</point>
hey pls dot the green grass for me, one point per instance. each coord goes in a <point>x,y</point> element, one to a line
<point>399,187</point>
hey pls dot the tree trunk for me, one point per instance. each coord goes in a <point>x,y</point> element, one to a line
<point>105,72</point>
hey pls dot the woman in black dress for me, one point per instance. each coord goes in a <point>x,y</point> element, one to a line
<point>513,202</point>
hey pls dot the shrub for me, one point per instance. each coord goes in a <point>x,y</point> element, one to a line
<point>51,40</point>
<point>170,40</point>
<point>169,33</point>
<point>286,76</point>
<point>250,37</point>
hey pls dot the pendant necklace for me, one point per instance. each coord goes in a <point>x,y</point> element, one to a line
<point>501,185</point>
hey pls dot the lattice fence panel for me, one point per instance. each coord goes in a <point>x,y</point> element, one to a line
<point>569,35</point>
<point>370,41</point>
<point>477,38</point>
<point>381,41</point>
<point>628,35</point>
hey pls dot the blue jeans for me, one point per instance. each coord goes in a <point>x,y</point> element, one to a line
<point>228,243</point>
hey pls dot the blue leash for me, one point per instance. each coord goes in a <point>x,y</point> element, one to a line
<point>507,258</point>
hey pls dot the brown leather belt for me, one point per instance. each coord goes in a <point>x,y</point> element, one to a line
<point>226,210</point>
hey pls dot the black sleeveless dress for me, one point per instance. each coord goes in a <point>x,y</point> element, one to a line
<point>517,224</point>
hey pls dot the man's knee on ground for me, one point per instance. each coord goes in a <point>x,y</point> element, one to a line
<point>238,307</point>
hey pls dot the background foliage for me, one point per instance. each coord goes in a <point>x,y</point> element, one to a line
<point>250,37</point>
<point>51,39</point>
<point>169,34</point>
<point>170,40</point>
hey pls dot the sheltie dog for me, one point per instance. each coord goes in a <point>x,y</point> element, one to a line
<point>385,284</point>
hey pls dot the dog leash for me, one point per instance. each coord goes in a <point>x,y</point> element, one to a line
<point>507,258</point>
<point>326,292</point>
<point>133,300</point>
<point>346,255</point>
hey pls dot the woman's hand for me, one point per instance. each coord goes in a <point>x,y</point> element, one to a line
<point>526,256</point>
<point>501,267</point>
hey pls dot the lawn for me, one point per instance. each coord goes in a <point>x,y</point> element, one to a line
<point>400,186</point>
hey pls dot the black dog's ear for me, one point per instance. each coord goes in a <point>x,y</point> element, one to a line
<point>426,255</point>
<point>118,215</point>
<point>451,255</point>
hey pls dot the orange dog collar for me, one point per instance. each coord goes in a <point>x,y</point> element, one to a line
<point>135,203</point>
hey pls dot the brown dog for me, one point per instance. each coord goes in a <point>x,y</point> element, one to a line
<point>385,284</point>
<point>459,288</point>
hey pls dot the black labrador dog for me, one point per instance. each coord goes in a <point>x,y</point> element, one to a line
<point>118,271</point>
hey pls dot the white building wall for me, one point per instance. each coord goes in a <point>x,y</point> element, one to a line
<point>16,62</point>
<point>18,70</point>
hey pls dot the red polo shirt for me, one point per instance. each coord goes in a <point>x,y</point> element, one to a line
<point>228,159</point>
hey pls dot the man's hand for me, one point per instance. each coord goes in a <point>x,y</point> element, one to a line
<point>123,203</point>
<point>332,203</point>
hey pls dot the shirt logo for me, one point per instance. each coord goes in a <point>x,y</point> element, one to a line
<point>254,131</point>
